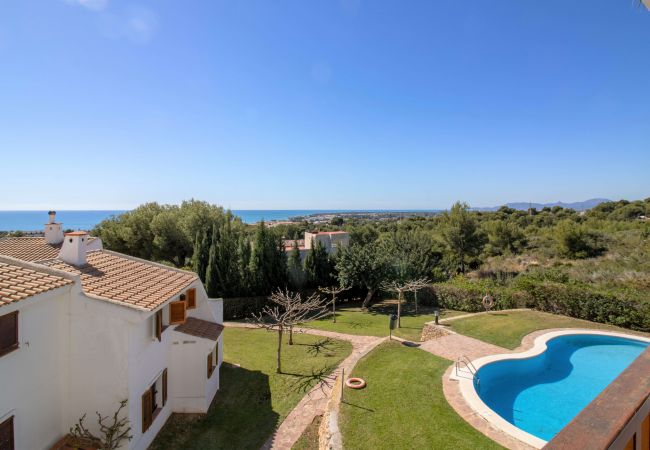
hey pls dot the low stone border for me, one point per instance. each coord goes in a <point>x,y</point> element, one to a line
<point>329,433</point>
<point>466,383</point>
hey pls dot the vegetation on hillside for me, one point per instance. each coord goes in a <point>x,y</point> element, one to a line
<point>592,265</point>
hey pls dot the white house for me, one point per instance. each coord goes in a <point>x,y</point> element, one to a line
<point>82,328</point>
<point>331,241</point>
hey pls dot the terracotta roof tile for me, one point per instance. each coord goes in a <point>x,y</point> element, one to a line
<point>134,283</point>
<point>31,248</point>
<point>28,248</point>
<point>200,328</point>
<point>18,283</point>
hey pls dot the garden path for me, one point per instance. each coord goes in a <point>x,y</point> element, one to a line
<point>315,401</point>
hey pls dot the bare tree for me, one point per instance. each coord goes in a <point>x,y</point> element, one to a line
<point>415,286</point>
<point>288,311</point>
<point>400,287</point>
<point>114,432</point>
<point>333,291</point>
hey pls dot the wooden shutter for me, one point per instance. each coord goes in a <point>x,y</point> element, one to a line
<point>177,312</point>
<point>159,324</point>
<point>191,298</point>
<point>8,333</point>
<point>147,413</point>
<point>7,434</point>
<point>210,366</point>
<point>164,387</point>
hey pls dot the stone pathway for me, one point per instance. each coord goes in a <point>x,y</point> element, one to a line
<point>315,401</point>
<point>455,345</point>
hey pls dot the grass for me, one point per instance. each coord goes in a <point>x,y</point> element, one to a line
<point>351,319</point>
<point>253,399</point>
<point>309,438</point>
<point>507,329</point>
<point>403,406</point>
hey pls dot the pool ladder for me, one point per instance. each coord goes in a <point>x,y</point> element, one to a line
<point>464,361</point>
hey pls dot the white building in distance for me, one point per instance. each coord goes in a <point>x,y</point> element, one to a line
<point>331,241</point>
<point>82,329</point>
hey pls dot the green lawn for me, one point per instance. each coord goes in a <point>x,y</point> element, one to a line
<point>309,438</point>
<point>403,406</point>
<point>253,399</point>
<point>507,329</point>
<point>374,322</point>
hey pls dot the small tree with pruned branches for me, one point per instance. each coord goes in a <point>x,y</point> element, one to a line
<point>114,430</point>
<point>333,291</point>
<point>400,287</point>
<point>287,311</point>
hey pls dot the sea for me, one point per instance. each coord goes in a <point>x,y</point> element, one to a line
<point>86,220</point>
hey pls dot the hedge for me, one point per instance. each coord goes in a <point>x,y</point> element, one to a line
<point>239,308</point>
<point>569,299</point>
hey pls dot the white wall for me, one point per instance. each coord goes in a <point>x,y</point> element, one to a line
<point>32,377</point>
<point>98,364</point>
<point>81,354</point>
<point>147,360</point>
<point>184,357</point>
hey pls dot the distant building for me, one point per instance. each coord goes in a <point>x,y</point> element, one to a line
<point>82,328</point>
<point>331,241</point>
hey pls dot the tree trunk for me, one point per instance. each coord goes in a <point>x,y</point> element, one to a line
<point>290,334</point>
<point>368,299</point>
<point>334,307</point>
<point>279,368</point>
<point>399,309</point>
<point>416,302</point>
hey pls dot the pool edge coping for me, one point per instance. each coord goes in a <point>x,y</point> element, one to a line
<point>466,383</point>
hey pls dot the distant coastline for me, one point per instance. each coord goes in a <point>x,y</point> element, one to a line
<point>86,220</point>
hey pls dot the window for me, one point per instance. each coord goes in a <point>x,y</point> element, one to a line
<point>191,298</point>
<point>153,400</point>
<point>213,359</point>
<point>8,333</point>
<point>158,324</point>
<point>177,312</point>
<point>210,364</point>
<point>7,434</point>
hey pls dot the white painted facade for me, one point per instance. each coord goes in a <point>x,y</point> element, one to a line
<point>332,241</point>
<point>79,354</point>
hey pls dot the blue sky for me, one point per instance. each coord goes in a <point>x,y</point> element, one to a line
<point>345,104</point>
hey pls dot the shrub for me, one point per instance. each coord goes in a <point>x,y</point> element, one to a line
<point>548,291</point>
<point>577,241</point>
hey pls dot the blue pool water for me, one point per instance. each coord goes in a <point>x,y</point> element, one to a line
<point>542,394</point>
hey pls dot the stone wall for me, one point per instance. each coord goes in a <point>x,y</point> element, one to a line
<point>433,331</point>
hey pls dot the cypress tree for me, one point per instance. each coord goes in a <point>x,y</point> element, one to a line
<point>296,274</point>
<point>201,254</point>
<point>257,264</point>
<point>212,283</point>
<point>243,263</point>
<point>317,266</point>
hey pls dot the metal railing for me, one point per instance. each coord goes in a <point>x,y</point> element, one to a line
<point>465,361</point>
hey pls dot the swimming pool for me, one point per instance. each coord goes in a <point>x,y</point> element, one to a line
<point>541,390</point>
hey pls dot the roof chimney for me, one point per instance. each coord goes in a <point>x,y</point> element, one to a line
<point>73,250</point>
<point>53,230</point>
